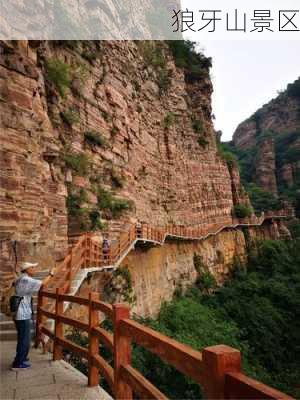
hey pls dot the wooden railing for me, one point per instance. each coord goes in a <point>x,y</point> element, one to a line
<point>89,253</point>
<point>217,369</point>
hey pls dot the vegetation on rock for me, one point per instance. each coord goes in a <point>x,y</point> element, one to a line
<point>79,163</point>
<point>95,138</point>
<point>169,120</point>
<point>112,206</point>
<point>70,116</point>
<point>86,218</point>
<point>242,210</point>
<point>195,64</point>
<point>255,312</point>
<point>59,74</point>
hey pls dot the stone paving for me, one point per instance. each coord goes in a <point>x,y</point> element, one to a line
<point>45,380</point>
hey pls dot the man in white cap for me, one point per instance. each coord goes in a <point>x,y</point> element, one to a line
<point>25,286</point>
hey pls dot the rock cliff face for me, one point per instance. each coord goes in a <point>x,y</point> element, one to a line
<point>157,273</point>
<point>95,133</point>
<point>272,134</point>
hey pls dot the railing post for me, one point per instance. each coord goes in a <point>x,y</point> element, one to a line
<point>39,317</point>
<point>59,329</point>
<point>122,353</point>
<point>87,250</point>
<point>217,361</point>
<point>93,379</point>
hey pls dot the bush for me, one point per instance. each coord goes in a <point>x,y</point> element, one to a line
<point>152,54</point>
<point>114,206</point>
<point>227,155</point>
<point>117,180</point>
<point>96,139</point>
<point>75,201</point>
<point>79,163</point>
<point>186,56</point>
<point>293,89</point>
<point>294,228</point>
<point>195,64</point>
<point>164,81</point>
<point>206,282</point>
<point>242,211</point>
<point>58,73</point>
<point>169,120</point>
<point>70,117</point>
<point>197,126</point>
<point>88,220</point>
<point>202,141</point>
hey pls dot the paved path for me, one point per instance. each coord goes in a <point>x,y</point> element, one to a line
<point>45,380</point>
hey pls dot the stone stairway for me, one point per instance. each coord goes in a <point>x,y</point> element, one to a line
<point>7,326</point>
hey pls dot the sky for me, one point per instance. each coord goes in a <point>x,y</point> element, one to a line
<point>246,75</point>
<point>248,68</point>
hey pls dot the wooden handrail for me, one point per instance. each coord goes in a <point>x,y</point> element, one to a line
<point>184,358</point>
<point>217,368</point>
<point>240,386</point>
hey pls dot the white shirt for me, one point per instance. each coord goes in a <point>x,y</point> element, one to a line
<point>26,286</point>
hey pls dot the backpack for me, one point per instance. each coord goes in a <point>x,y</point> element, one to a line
<point>11,302</point>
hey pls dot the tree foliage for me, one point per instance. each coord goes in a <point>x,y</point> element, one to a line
<point>256,312</point>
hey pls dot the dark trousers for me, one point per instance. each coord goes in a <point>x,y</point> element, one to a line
<point>24,337</point>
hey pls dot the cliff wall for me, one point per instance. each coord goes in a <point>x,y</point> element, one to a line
<point>96,133</point>
<point>270,141</point>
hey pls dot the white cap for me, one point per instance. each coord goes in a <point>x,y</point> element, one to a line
<point>27,265</point>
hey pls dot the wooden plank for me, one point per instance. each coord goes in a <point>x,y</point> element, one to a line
<point>73,322</point>
<point>183,357</point>
<point>105,369</point>
<point>239,386</point>
<point>47,313</point>
<point>104,307</point>
<point>74,348</point>
<point>74,299</point>
<point>105,337</point>
<point>46,293</point>
<point>47,332</point>
<point>140,385</point>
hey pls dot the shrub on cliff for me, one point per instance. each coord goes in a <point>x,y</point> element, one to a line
<point>95,139</point>
<point>227,155</point>
<point>59,74</point>
<point>242,211</point>
<point>293,89</point>
<point>186,56</point>
<point>113,206</point>
<point>79,163</point>
<point>70,116</point>
<point>169,120</point>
